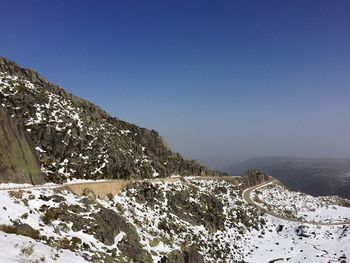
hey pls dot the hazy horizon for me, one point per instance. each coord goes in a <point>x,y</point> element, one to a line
<point>222,82</point>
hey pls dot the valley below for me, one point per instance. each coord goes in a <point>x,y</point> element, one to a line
<point>317,177</point>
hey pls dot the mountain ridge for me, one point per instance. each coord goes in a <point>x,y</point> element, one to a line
<point>77,139</point>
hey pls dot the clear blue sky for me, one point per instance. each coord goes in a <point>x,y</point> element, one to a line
<point>220,80</point>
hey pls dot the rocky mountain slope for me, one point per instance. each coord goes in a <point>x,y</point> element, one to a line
<point>76,139</point>
<point>49,135</point>
<point>312,176</point>
<point>194,220</point>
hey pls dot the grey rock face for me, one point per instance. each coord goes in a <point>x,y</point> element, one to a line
<point>18,160</point>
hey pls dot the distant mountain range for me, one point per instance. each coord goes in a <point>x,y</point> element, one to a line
<point>312,176</point>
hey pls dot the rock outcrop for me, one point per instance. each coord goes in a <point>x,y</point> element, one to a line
<point>76,139</point>
<point>18,160</point>
<point>253,177</point>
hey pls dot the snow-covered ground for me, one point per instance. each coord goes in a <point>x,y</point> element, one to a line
<point>29,207</point>
<point>210,214</point>
<point>15,249</point>
<point>297,243</point>
<point>296,205</point>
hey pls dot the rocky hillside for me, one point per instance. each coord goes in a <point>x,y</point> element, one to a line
<point>302,207</point>
<point>49,135</point>
<point>18,161</point>
<point>313,176</point>
<point>76,139</point>
<point>193,220</point>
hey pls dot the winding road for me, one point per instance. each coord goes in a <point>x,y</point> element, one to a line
<point>246,195</point>
<point>102,188</point>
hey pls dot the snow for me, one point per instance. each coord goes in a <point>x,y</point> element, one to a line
<point>155,174</point>
<point>78,181</point>
<point>16,249</point>
<point>125,132</point>
<point>39,149</point>
<point>8,186</point>
<point>27,206</point>
<point>300,206</point>
<point>325,243</point>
